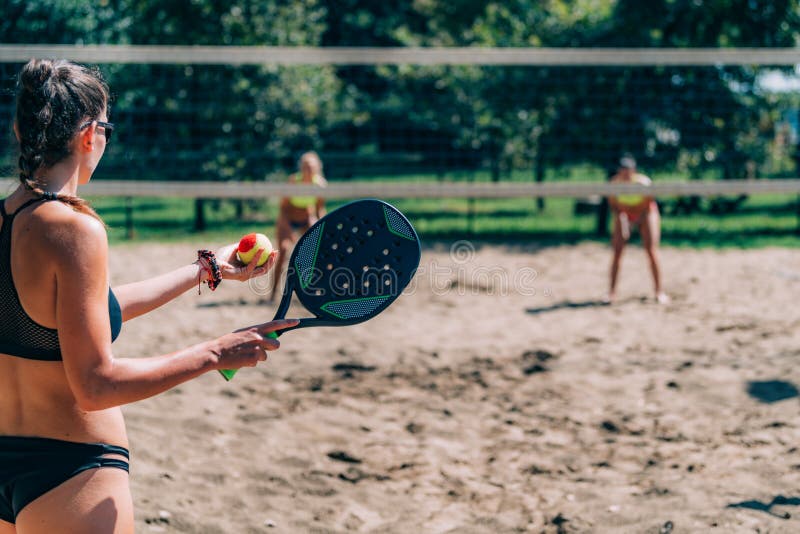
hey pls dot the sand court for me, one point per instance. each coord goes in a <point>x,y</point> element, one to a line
<point>479,403</point>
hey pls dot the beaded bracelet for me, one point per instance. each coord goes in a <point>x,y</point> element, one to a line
<point>208,261</point>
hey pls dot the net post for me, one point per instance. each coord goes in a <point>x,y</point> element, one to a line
<point>471,216</point>
<point>604,208</point>
<point>538,177</point>
<point>199,215</point>
<point>130,231</point>
<point>601,230</point>
<point>797,208</point>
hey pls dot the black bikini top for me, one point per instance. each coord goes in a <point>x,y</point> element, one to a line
<point>19,334</point>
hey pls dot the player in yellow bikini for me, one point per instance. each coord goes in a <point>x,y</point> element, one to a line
<point>297,214</point>
<point>637,211</point>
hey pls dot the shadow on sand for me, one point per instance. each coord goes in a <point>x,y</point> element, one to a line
<point>571,304</point>
<point>759,506</point>
<point>567,304</point>
<point>769,391</point>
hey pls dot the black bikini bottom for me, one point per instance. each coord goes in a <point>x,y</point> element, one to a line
<point>30,467</point>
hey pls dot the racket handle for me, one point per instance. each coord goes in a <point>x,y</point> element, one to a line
<point>227,374</point>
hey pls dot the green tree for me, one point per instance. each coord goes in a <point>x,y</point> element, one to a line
<point>201,121</point>
<point>234,122</point>
<point>251,120</point>
<point>691,119</point>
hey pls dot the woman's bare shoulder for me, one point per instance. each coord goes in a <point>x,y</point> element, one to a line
<point>64,232</point>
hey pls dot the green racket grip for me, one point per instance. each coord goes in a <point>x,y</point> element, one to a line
<point>227,374</point>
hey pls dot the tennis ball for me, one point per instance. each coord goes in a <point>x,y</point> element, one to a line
<point>250,244</point>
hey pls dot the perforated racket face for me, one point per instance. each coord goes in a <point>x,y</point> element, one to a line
<point>353,263</point>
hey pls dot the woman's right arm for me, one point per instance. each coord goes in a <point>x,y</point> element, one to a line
<point>97,379</point>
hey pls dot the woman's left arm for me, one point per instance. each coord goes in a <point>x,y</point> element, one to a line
<point>138,298</point>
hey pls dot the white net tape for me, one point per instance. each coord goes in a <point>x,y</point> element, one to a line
<point>278,55</point>
<point>352,190</point>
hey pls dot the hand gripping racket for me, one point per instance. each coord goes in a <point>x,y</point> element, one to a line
<point>350,266</point>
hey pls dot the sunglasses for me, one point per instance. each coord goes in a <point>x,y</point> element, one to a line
<point>108,128</point>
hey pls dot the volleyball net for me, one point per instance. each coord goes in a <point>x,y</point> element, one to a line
<point>231,122</point>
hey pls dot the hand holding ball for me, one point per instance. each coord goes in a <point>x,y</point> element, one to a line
<point>250,244</point>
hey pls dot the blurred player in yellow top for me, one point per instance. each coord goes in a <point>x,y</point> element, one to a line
<point>298,214</point>
<point>635,211</point>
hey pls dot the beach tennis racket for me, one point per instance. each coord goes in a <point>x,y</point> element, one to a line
<point>349,266</point>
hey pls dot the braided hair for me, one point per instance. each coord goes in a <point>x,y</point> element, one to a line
<point>53,98</point>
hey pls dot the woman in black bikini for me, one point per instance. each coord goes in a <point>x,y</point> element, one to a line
<point>63,445</point>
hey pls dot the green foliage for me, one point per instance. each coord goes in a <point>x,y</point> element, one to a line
<point>692,121</point>
<point>63,21</point>
<point>666,116</point>
<point>261,115</point>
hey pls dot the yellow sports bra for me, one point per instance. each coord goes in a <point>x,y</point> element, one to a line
<point>633,200</point>
<point>306,201</point>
